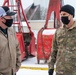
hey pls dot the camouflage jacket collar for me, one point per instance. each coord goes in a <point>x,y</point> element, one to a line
<point>74,25</point>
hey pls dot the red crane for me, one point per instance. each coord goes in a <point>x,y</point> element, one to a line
<point>26,39</point>
<point>45,34</point>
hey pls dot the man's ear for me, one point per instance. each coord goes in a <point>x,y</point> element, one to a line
<point>3,20</point>
<point>70,17</point>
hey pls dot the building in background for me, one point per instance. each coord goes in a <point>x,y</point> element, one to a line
<point>43,7</point>
<point>38,10</point>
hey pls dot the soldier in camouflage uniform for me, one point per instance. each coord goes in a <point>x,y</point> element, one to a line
<point>64,44</point>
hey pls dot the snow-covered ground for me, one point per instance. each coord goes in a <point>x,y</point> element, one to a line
<point>30,67</point>
<point>31,72</point>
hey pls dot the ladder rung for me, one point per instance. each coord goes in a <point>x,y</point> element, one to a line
<point>13,5</point>
<point>16,23</point>
<point>15,10</point>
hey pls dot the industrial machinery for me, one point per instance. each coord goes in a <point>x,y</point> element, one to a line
<point>26,39</point>
<point>45,34</point>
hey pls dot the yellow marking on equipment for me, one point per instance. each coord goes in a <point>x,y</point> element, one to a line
<point>35,68</point>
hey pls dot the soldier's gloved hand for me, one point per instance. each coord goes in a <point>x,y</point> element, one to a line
<point>50,71</point>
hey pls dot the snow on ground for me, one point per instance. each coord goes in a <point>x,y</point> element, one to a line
<point>32,62</point>
<point>31,72</point>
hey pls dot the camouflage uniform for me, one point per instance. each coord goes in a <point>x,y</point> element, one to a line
<point>64,51</point>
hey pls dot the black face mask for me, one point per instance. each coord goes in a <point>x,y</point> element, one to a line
<point>65,20</point>
<point>8,22</point>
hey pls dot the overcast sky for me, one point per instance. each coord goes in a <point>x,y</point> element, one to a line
<point>26,3</point>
